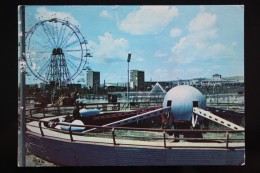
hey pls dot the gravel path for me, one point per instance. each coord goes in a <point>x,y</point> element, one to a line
<point>33,161</point>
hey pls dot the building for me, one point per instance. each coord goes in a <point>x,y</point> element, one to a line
<point>137,80</point>
<point>196,81</point>
<point>73,86</point>
<point>184,82</point>
<point>216,80</point>
<point>216,77</point>
<point>92,79</point>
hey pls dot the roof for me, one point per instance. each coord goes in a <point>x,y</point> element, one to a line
<point>157,89</point>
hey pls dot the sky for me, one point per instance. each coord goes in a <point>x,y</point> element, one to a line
<point>166,42</point>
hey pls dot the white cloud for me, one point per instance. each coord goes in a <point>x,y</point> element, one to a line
<point>140,59</point>
<point>159,53</point>
<point>109,49</point>
<point>203,22</point>
<point>175,32</point>
<point>172,74</point>
<point>162,74</point>
<point>114,7</point>
<point>179,51</point>
<point>216,67</point>
<point>105,14</point>
<point>202,8</point>
<point>198,44</point>
<point>45,14</point>
<point>220,51</point>
<point>195,70</point>
<point>234,43</point>
<point>179,73</point>
<point>148,20</point>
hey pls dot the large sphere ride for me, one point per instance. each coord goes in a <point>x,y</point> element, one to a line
<point>56,51</point>
<point>181,99</point>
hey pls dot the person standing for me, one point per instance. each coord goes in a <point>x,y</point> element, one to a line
<point>76,114</point>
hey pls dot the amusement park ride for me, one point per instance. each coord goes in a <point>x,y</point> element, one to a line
<point>56,53</point>
<point>185,144</point>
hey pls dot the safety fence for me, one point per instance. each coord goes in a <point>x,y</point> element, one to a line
<point>224,138</point>
<point>43,112</point>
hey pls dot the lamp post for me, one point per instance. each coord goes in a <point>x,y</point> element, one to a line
<point>128,60</point>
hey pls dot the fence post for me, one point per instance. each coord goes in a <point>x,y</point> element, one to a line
<point>113,135</point>
<point>43,112</point>
<point>40,125</point>
<point>71,138</point>
<point>30,111</point>
<point>164,141</point>
<point>227,134</point>
<point>118,106</point>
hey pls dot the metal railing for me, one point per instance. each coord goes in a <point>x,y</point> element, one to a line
<point>111,133</point>
<point>45,110</point>
<point>102,106</point>
<point>123,114</point>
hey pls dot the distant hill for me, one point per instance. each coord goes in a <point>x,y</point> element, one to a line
<point>234,78</point>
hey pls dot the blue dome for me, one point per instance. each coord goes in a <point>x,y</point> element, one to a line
<point>181,100</point>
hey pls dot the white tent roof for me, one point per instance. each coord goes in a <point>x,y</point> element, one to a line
<point>157,89</point>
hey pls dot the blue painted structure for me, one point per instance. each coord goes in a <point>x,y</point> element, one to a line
<point>182,98</point>
<point>75,129</point>
<point>89,112</point>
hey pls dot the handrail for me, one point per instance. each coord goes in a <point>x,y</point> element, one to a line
<point>139,129</point>
<point>124,113</point>
<point>45,110</point>
<point>215,118</point>
<point>164,131</point>
<point>222,140</point>
<point>113,106</point>
<point>136,117</point>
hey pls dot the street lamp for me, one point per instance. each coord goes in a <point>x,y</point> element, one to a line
<point>128,60</point>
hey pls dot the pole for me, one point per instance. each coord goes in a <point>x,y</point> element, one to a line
<point>22,66</point>
<point>128,60</point>
<point>128,84</point>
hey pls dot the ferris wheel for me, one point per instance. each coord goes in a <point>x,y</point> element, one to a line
<point>56,51</point>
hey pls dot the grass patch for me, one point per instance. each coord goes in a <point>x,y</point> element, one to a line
<point>215,126</point>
